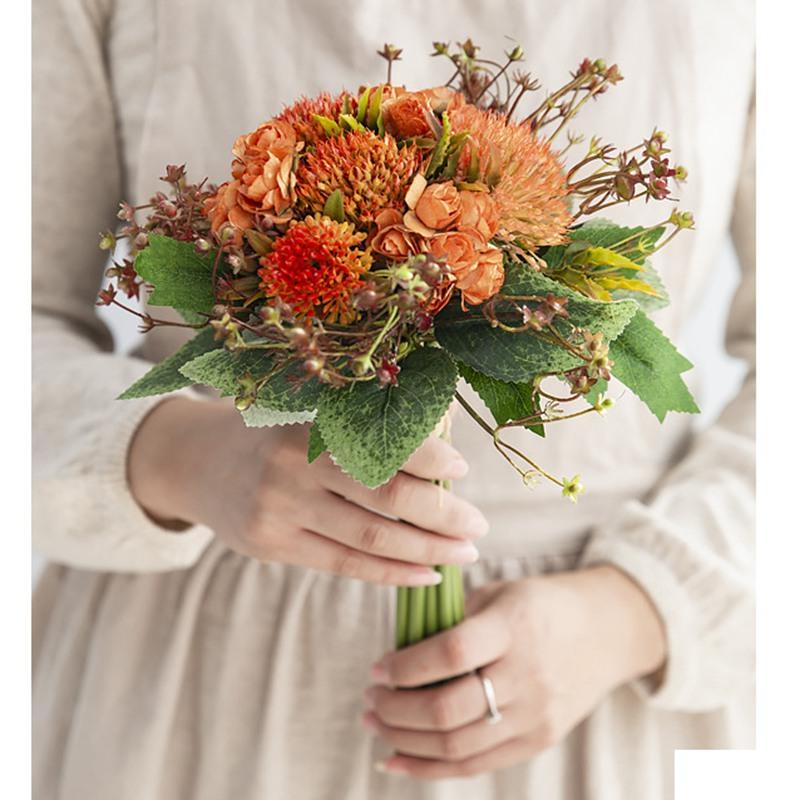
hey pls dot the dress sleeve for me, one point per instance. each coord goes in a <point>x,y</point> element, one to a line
<point>691,547</point>
<point>83,512</point>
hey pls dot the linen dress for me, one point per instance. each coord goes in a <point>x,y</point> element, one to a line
<point>167,666</point>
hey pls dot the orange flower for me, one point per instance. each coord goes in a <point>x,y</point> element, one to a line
<point>439,206</point>
<point>370,171</point>
<point>406,116</point>
<point>458,248</point>
<point>527,180</point>
<point>396,242</point>
<point>478,269</point>
<point>479,213</point>
<point>486,278</point>
<point>263,168</point>
<point>315,267</point>
<point>300,115</point>
<point>224,207</point>
<point>442,98</point>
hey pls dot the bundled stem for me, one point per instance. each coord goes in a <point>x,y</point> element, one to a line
<point>424,611</point>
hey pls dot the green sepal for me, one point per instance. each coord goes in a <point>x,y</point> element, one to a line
<point>440,151</point>
<point>331,127</point>
<point>334,206</point>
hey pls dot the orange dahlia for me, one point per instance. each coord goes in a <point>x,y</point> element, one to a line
<point>371,172</point>
<point>528,183</point>
<point>300,115</point>
<point>315,267</point>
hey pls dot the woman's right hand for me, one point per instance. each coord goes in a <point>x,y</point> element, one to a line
<point>195,462</point>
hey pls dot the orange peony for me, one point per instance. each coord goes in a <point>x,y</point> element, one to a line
<point>479,213</point>
<point>485,279</point>
<point>439,206</point>
<point>406,116</point>
<point>263,168</point>
<point>478,269</point>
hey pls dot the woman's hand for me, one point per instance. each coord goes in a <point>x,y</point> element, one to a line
<point>552,646</point>
<point>197,463</point>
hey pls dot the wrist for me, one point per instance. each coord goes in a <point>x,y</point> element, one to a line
<point>631,620</point>
<point>614,618</point>
<point>167,456</point>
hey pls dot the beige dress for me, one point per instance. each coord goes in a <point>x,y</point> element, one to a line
<point>169,667</point>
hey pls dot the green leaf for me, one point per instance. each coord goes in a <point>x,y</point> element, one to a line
<point>506,401</point>
<point>519,357</point>
<point>180,276</point>
<point>647,363</point>
<point>440,151</point>
<point>604,233</point>
<point>648,303</point>
<point>334,206</point>
<point>351,122</point>
<point>374,107</point>
<point>287,391</point>
<point>371,432</point>
<point>316,444</point>
<point>601,387</point>
<point>261,417</point>
<point>166,376</point>
<point>363,101</point>
<point>328,125</point>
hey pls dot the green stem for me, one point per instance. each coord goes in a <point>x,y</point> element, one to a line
<point>424,611</point>
<point>431,610</point>
<point>416,614</point>
<point>401,627</point>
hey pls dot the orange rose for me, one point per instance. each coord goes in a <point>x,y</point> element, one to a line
<point>442,98</point>
<point>406,116</point>
<point>396,242</point>
<point>479,213</point>
<point>478,269</point>
<point>458,248</point>
<point>486,278</point>
<point>389,216</point>
<point>439,206</point>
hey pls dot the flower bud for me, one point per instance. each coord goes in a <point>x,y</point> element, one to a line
<point>107,241</point>
<point>516,54</point>
<point>362,365</point>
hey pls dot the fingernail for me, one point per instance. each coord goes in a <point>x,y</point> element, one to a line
<point>464,553</point>
<point>369,722</point>
<point>429,578</point>
<point>379,674</point>
<point>389,767</point>
<point>369,699</point>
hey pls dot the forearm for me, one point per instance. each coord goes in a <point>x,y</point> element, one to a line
<point>171,452</point>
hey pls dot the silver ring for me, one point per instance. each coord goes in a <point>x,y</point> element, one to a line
<point>493,715</point>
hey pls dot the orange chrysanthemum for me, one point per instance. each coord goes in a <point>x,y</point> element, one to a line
<point>316,267</point>
<point>300,115</point>
<point>528,182</point>
<point>371,172</point>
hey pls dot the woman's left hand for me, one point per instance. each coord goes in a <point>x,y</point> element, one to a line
<point>552,646</point>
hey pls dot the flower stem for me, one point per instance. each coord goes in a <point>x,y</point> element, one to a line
<point>424,611</point>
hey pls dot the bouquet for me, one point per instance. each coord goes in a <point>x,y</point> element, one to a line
<point>371,248</point>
